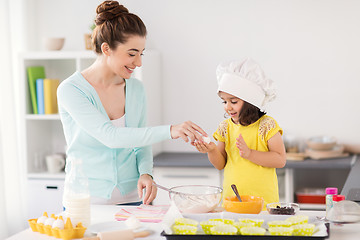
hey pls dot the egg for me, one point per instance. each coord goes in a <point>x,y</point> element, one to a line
<point>41,219</point>
<point>206,140</point>
<point>132,222</point>
<point>49,221</point>
<point>58,223</point>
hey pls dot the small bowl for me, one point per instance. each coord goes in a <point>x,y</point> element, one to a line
<point>249,204</point>
<point>321,143</point>
<point>281,208</point>
<point>54,44</point>
<point>196,198</point>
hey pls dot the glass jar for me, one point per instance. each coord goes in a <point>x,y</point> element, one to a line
<point>76,197</point>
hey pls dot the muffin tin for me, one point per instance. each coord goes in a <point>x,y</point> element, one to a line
<point>312,229</point>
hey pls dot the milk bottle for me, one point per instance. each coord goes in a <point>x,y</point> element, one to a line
<point>76,197</point>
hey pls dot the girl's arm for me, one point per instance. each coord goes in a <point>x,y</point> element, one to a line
<point>216,153</point>
<point>275,157</point>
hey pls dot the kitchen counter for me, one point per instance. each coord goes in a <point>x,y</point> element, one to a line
<point>194,160</point>
<point>186,159</point>
<point>181,159</point>
<point>105,214</point>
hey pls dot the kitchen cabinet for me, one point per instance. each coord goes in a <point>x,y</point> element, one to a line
<point>42,135</point>
<point>44,195</point>
<point>176,176</point>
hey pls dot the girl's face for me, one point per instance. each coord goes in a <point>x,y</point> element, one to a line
<point>127,56</point>
<point>232,105</point>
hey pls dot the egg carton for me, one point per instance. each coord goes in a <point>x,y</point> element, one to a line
<point>69,232</point>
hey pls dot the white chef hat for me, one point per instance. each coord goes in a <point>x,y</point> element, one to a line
<point>247,81</point>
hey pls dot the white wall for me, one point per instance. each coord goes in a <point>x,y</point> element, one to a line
<point>310,48</point>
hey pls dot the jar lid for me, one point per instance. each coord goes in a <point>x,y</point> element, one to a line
<point>338,198</point>
<point>331,190</point>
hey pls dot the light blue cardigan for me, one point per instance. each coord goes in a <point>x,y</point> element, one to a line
<point>112,157</point>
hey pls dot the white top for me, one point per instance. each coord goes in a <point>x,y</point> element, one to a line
<point>116,197</point>
<point>120,122</point>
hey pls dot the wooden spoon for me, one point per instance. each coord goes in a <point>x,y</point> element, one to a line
<point>233,186</point>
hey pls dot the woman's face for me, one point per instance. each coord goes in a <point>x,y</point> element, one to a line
<point>232,105</point>
<point>127,56</point>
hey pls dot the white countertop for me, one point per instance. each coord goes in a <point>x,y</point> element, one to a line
<point>105,213</point>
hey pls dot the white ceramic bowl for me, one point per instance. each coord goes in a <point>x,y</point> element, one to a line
<point>196,198</point>
<point>54,44</point>
<point>321,143</point>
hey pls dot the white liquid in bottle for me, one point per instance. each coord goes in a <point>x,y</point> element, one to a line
<point>76,198</point>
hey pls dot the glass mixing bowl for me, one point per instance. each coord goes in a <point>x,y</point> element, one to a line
<point>196,198</point>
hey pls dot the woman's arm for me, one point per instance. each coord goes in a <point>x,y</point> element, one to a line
<point>275,157</point>
<point>75,105</point>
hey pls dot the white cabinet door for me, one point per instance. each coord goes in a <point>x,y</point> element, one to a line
<point>174,176</point>
<point>44,196</point>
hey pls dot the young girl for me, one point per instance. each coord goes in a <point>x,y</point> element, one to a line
<point>250,147</point>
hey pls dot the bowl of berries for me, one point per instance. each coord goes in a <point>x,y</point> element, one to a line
<point>281,208</point>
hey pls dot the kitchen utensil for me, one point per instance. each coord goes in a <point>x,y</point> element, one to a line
<point>168,190</point>
<point>336,151</point>
<point>119,235</point>
<point>344,212</point>
<point>234,188</point>
<point>310,195</point>
<point>195,198</point>
<point>282,208</point>
<point>249,204</point>
<point>298,156</point>
<point>55,163</point>
<point>321,143</point>
<point>53,43</point>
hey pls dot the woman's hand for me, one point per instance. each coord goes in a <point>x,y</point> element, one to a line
<point>145,181</point>
<point>244,150</point>
<point>187,130</point>
<point>204,147</point>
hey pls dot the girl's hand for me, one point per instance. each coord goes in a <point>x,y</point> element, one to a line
<point>243,148</point>
<point>204,147</point>
<point>145,181</point>
<point>187,130</point>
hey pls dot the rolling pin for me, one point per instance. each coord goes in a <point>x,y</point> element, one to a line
<point>119,235</point>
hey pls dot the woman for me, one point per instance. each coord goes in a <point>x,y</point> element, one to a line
<point>103,112</point>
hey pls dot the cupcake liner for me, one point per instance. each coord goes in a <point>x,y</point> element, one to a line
<point>300,219</point>
<point>224,220</point>
<point>184,229</point>
<point>257,222</point>
<point>207,225</point>
<point>281,231</point>
<point>279,223</point>
<point>186,221</point>
<point>224,229</point>
<point>303,229</point>
<point>252,231</point>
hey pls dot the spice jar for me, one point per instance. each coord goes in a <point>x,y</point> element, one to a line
<point>330,192</point>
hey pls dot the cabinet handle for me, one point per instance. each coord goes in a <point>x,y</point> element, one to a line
<point>185,176</point>
<point>51,187</point>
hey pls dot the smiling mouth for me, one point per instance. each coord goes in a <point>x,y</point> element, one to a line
<point>130,69</point>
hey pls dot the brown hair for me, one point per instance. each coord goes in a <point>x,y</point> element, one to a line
<point>249,114</point>
<point>114,25</point>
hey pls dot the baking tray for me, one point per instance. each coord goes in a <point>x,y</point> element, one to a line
<point>322,234</point>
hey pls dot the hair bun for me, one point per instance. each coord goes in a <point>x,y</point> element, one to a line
<point>109,10</point>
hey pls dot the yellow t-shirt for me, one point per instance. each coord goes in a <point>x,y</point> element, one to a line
<point>249,178</point>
